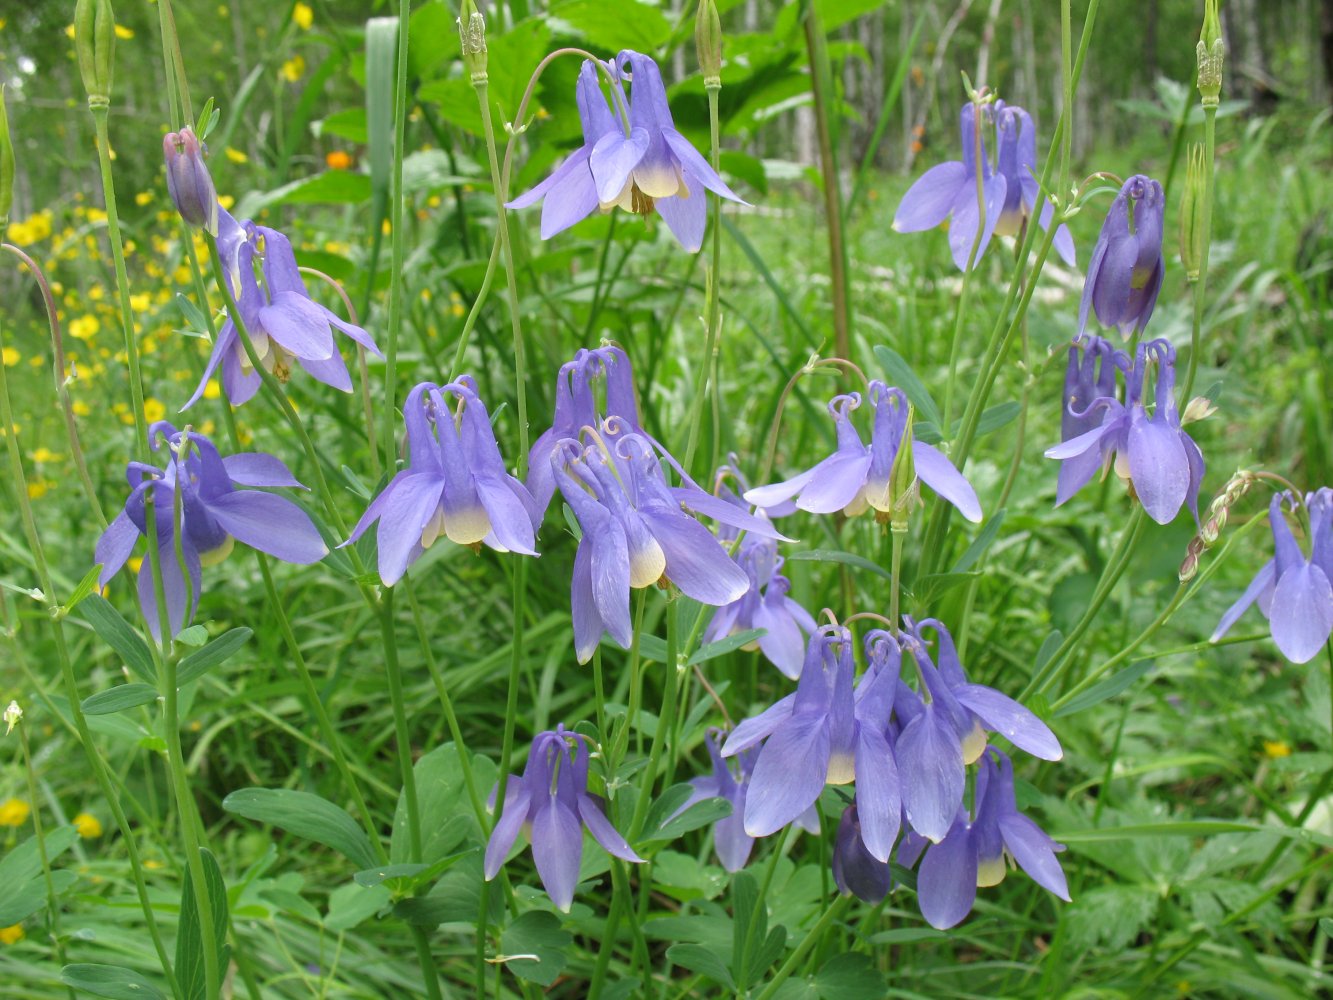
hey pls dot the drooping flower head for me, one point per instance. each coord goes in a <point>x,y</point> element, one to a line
<point>283,322</point>
<point>1152,451</point>
<point>855,476</point>
<point>976,849</point>
<point>1294,592</point>
<point>856,871</point>
<point>213,515</point>
<point>729,780</point>
<point>455,484</point>
<point>1126,268</point>
<point>635,533</point>
<point>188,181</point>
<point>1009,189</point>
<point>642,164</point>
<point>551,804</point>
<point>828,732</point>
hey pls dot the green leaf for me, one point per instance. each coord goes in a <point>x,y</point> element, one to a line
<point>374,876</point>
<point>25,862</point>
<point>218,651</point>
<point>447,816</point>
<point>698,815</point>
<point>703,961</point>
<point>981,543</point>
<point>1105,690</point>
<point>110,981</point>
<point>20,900</point>
<point>333,187</point>
<point>846,558</point>
<point>118,699</point>
<point>534,947</point>
<point>195,635</point>
<point>115,630</point>
<point>724,646</point>
<point>190,942</point>
<point>850,976</point>
<point>86,586</point>
<point>304,815</point>
<point>626,24</point>
<point>900,374</point>
<point>349,124</point>
<point>746,167</point>
<point>381,58</point>
<point>350,905</point>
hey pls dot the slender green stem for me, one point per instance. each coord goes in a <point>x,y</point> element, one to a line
<point>619,903</point>
<point>809,941</point>
<point>621,744</point>
<point>665,722</point>
<point>1201,285</point>
<point>397,237</point>
<point>40,836</point>
<point>896,540</point>
<point>395,679</point>
<point>761,899</point>
<point>456,368</point>
<point>520,592</point>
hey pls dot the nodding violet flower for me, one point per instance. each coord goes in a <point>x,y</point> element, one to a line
<point>455,484</point>
<point>946,730</point>
<point>283,322</point>
<point>856,871</point>
<point>975,851</point>
<point>551,804</point>
<point>1161,461</point>
<point>647,166</point>
<point>826,733</point>
<point>635,533</point>
<point>856,476</point>
<point>1125,271</point>
<point>1009,190</point>
<point>732,843</point>
<point>1294,593</point>
<point>1090,375</point>
<point>188,181</point>
<point>214,514</point>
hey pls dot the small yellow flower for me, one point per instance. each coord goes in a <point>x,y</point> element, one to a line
<point>1276,749</point>
<point>69,31</point>
<point>12,934</point>
<point>46,455</point>
<point>140,302</point>
<point>11,357</point>
<point>235,155</point>
<point>153,410</point>
<point>337,159</point>
<point>143,198</point>
<point>38,488</point>
<point>81,409</point>
<point>88,826</point>
<point>152,864</point>
<point>134,563</point>
<point>293,69</point>
<point>226,201</point>
<point>84,327</point>
<point>303,16</point>
<point>124,33</point>
<point>212,390</point>
<point>14,812</point>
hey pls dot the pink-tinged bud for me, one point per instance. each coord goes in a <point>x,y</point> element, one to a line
<point>188,180</point>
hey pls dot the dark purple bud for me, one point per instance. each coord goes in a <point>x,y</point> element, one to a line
<point>188,181</point>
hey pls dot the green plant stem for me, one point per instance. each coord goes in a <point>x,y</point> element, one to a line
<point>520,592</point>
<point>761,897</point>
<point>397,248</point>
<point>896,540</point>
<point>619,903</point>
<point>665,722</point>
<point>394,676</point>
<point>621,744</point>
<point>68,679</point>
<point>794,959</point>
<point>1201,285</point>
<point>40,836</point>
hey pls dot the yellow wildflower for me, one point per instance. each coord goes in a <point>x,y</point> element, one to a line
<point>212,390</point>
<point>226,201</point>
<point>88,826</point>
<point>293,69</point>
<point>140,302</point>
<point>1276,749</point>
<point>11,357</point>
<point>134,563</point>
<point>46,455</point>
<point>303,16</point>
<point>124,33</point>
<point>38,488</point>
<point>82,409</point>
<point>14,812</point>
<point>235,155</point>
<point>84,327</point>
<point>11,934</point>
<point>143,198</point>
<point>153,410</point>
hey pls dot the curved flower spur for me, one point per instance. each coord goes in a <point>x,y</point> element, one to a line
<point>635,533</point>
<point>551,805</point>
<point>455,484</point>
<point>855,476</point>
<point>214,514</point>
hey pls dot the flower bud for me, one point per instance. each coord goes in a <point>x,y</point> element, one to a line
<point>904,490</point>
<point>1193,213</point>
<point>6,165</point>
<point>472,37</point>
<point>95,44</point>
<point>1212,528</point>
<point>708,43</point>
<point>188,182</point>
<point>1188,568</point>
<point>1210,53</point>
<point>13,714</point>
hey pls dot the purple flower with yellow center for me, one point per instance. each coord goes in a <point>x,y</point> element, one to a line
<point>188,181</point>
<point>284,323</point>
<point>1125,272</point>
<point>1161,461</point>
<point>828,732</point>
<point>455,485</point>
<point>855,476</point>
<point>1294,593</point>
<point>732,843</point>
<point>975,852</point>
<point>946,728</point>
<point>551,805</point>
<point>635,533</point>
<point>214,514</point>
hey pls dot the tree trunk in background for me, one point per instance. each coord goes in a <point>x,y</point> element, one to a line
<point>1326,42</point>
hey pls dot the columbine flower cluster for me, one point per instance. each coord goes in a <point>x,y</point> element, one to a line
<point>907,750</point>
<point>214,514</point>
<point>1151,451</point>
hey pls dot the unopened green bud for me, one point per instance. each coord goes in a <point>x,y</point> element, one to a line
<point>472,37</point>
<point>708,43</point>
<point>6,165</point>
<point>1210,53</point>
<point>1193,213</point>
<point>904,490</point>
<point>95,44</point>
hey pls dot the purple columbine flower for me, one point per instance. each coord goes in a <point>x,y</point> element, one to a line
<point>188,181</point>
<point>214,514</point>
<point>1161,461</point>
<point>945,731</point>
<point>825,733</point>
<point>855,476</point>
<point>1090,375</point>
<point>856,871</point>
<point>551,805</point>
<point>1294,593</point>
<point>1009,191</point>
<point>732,843</point>
<point>1125,272</point>
<point>974,852</point>
<point>284,323</point>
<point>635,533</point>
<point>455,484</point>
